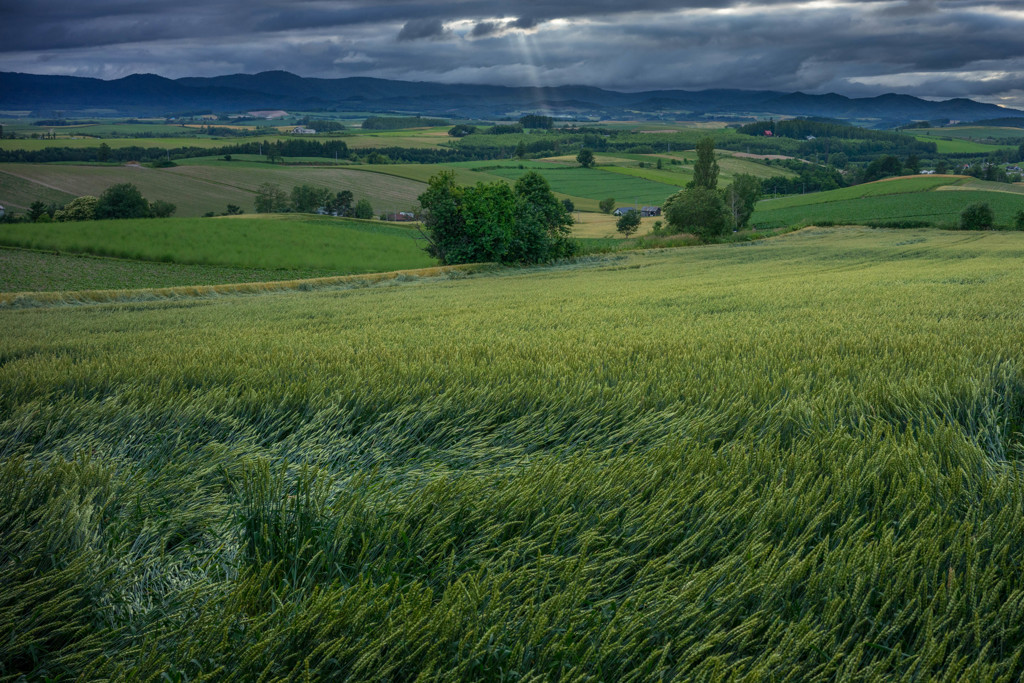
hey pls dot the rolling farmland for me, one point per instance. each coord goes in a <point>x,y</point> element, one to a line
<point>927,198</point>
<point>594,183</point>
<point>301,242</point>
<point>664,465</point>
<point>197,188</point>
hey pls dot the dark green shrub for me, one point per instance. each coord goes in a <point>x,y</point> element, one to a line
<point>977,217</point>
<point>122,201</point>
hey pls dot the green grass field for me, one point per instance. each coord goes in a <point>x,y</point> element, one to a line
<point>958,145</point>
<point>936,199</point>
<point>23,270</point>
<point>300,242</point>
<point>797,459</point>
<point>941,209</point>
<point>969,132</point>
<point>889,186</point>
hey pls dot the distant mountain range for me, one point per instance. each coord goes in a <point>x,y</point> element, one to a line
<point>146,94</point>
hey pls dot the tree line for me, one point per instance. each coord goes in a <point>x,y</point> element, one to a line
<point>704,210</point>
<point>493,222</point>
<point>305,198</point>
<point>120,201</point>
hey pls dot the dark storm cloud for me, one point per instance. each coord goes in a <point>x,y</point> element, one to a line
<point>485,28</point>
<point>937,48</point>
<point>418,29</point>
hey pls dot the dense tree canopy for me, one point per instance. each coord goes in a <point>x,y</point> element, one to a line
<point>495,222</point>
<point>697,210</point>
<point>78,209</point>
<point>741,198</point>
<point>270,198</point>
<point>122,201</point>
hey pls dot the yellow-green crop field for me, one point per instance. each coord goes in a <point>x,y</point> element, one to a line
<point>794,459</point>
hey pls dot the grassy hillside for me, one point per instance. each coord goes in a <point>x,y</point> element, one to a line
<point>958,145</point>
<point>971,132</point>
<point>196,188</point>
<point>23,270</point>
<point>338,246</point>
<point>723,461</point>
<point>927,198</point>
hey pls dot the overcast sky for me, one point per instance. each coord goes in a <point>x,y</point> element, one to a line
<point>929,48</point>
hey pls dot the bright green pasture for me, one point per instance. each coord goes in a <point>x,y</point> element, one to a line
<point>906,185</point>
<point>957,145</point>
<point>797,459</point>
<point>970,132</point>
<point>334,245</point>
<point>940,208</point>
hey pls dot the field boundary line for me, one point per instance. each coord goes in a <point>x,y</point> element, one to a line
<point>35,182</point>
<point>102,296</point>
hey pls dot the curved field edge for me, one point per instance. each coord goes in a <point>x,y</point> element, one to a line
<point>95,296</point>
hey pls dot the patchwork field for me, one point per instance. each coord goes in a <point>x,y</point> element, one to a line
<point>915,198</point>
<point>201,187</point>
<point>681,465</point>
<point>304,243</point>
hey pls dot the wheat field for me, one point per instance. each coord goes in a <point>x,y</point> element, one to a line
<point>796,459</point>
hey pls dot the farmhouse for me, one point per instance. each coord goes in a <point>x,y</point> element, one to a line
<point>645,211</point>
<point>401,216</point>
<point>300,130</point>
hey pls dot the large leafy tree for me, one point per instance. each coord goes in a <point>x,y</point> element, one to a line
<point>741,198</point>
<point>341,203</point>
<point>494,222</point>
<point>364,209</point>
<point>697,210</point>
<point>628,222</point>
<point>78,209</point>
<point>270,198</point>
<point>122,201</point>
<point>309,198</point>
<point>161,209</point>
<point>543,223</point>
